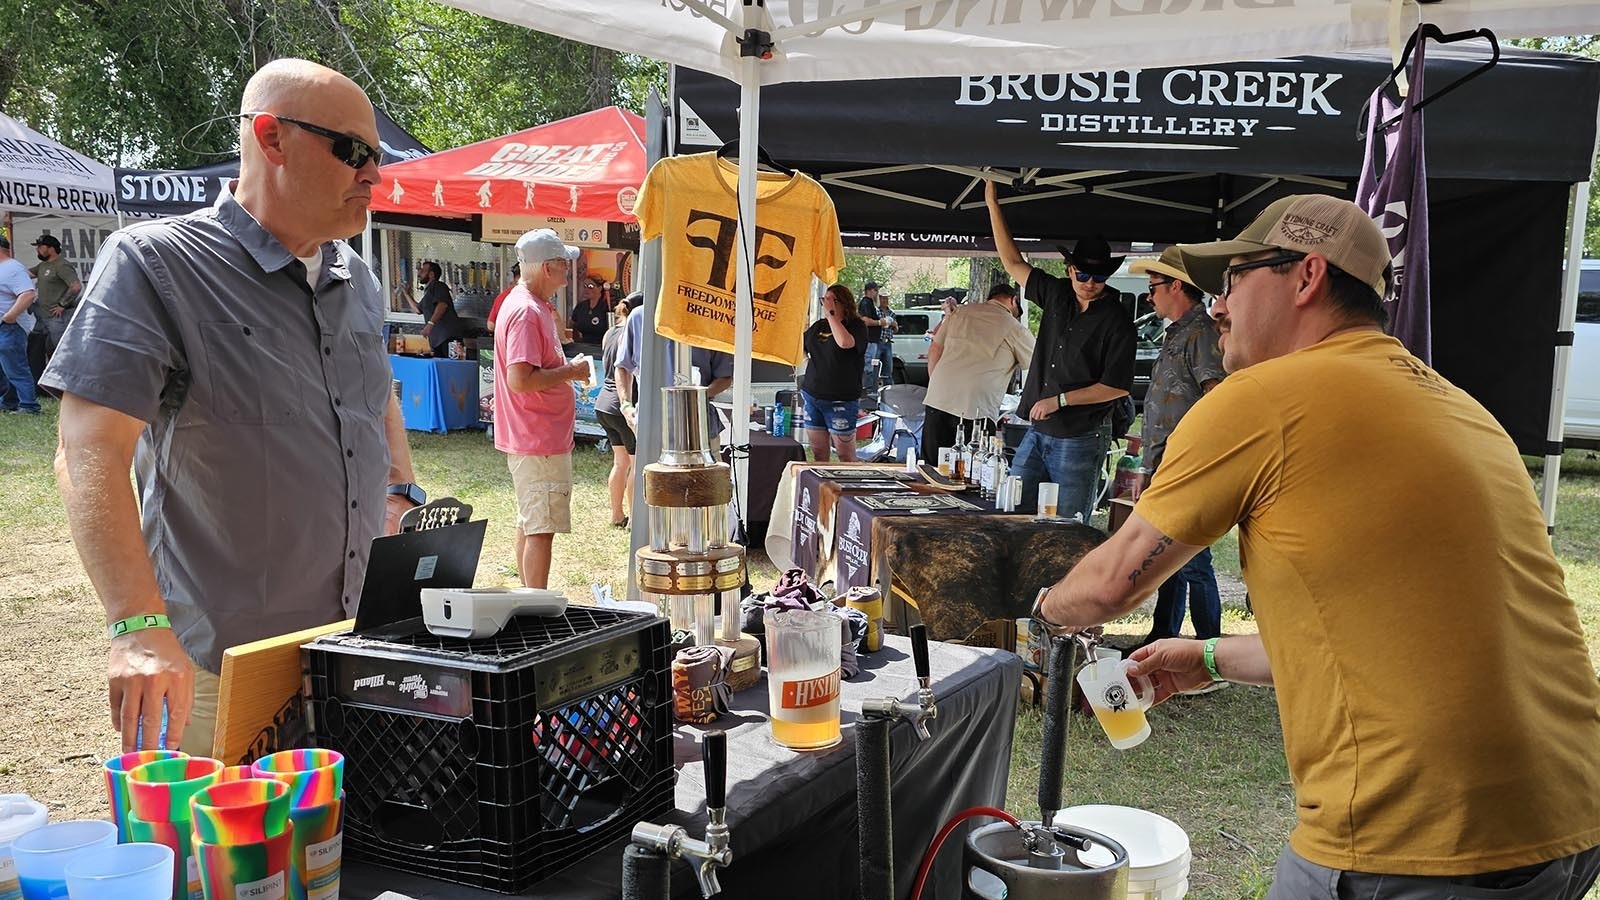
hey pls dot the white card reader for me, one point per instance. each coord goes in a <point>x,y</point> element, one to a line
<point>484,612</point>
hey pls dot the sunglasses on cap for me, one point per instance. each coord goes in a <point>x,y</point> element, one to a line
<point>1084,277</point>
<point>347,148</point>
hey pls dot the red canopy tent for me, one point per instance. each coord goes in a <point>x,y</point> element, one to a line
<point>589,166</point>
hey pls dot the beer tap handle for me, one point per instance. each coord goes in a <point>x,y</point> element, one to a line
<point>919,652</point>
<point>714,749</point>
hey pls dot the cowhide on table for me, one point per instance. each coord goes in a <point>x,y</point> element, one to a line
<point>953,573</point>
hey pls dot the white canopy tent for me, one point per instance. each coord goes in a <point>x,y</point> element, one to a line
<point>837,40</point>
<point>38,174</point>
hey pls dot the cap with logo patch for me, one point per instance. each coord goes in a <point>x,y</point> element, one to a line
<point>1301,223</point>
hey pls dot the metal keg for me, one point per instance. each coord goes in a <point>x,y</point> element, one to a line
<point>998,863</point>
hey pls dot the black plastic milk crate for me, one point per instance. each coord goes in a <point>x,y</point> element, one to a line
<point>498,762</point>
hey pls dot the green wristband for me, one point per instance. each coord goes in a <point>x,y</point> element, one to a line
<point>137,623</point>
<point>1211,659</point>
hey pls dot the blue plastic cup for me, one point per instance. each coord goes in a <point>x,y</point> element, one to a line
<point>41,856</point>
<point>123,872</point>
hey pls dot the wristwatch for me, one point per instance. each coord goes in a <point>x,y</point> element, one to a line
<point>410,491</point>
<point>1037,614</point>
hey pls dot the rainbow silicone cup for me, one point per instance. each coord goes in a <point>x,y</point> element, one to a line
<point>159,793</point>
<point>116,773</point>
<point>258,869</point>
<point>315,776</point>
<point>248,811</point>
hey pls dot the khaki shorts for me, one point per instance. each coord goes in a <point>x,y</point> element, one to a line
<point>544,492</point>
<point>202,728</point>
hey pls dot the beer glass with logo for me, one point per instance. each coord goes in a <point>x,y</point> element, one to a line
<point>803,678</point>
<point>1119,709</point>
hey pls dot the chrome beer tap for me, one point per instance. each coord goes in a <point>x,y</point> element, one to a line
<point>674,842</point>
<point>924,708</point>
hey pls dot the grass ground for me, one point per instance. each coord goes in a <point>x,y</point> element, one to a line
<point>1215,763</point>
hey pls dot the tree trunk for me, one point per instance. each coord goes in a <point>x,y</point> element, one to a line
<point>984,273</point>
<point>602,88</point>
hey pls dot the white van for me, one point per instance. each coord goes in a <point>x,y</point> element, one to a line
<point>1582,417</point>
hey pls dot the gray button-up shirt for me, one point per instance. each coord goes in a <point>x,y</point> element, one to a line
<point>1189,358</point>
<point>263,469</point>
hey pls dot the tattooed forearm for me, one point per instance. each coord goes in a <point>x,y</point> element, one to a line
<point>1161,547</point>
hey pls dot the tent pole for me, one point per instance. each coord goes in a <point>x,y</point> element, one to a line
<point>1565,323</point>
<point>744,310</point>
<point>651,352</point>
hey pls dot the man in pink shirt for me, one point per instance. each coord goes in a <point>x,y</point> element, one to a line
<point>535,406</point>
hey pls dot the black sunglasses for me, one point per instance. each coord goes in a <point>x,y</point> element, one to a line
<point>1229,273</point>
<point>1085,277</point>
<point>347,148</point>
<point>1159,282</point>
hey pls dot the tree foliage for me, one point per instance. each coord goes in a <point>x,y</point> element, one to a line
<point>154,82</point>
<point>860,268</point>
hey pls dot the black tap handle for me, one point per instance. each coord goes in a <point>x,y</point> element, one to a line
<point>714,748</point>
<point>919,650</point>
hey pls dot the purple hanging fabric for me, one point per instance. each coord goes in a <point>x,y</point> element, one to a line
<point>1394,191</point>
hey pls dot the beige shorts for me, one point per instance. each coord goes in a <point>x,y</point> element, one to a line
<point>544,492</point>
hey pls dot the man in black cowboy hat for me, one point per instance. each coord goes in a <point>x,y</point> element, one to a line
<point>1082,365</point>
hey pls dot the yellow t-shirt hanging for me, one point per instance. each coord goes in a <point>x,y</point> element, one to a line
<point>692,202</point>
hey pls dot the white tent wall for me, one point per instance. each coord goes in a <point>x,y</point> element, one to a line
<point>833,40</point>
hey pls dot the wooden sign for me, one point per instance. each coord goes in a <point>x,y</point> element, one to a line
<point>260,709</point>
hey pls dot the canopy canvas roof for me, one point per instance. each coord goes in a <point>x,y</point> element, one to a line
<point>41,174</point>
<point>588,166</point>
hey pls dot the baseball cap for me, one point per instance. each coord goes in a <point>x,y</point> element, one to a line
<point>50,241</point>
<point>1001,290</point>
<point>870,286</point>
<point>5,242</point>
<point>543,245</point>
<point>1302,223</point>
<point>1170,264</point>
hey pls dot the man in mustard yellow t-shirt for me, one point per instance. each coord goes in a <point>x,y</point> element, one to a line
<point>1441,715</point>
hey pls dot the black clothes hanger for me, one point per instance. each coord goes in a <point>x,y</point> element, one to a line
<point>730,150</point>
<point>1425,32</point>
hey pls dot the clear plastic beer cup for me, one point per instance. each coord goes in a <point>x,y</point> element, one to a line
<point>803,678</point>
<point>1118,707</point>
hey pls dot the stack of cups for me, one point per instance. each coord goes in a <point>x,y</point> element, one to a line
<point>316,808</point>
<point>42,855</point>
<point>116,772</point>
<point>243,839</point>
<point>159,793</point>
<point>123,872</point>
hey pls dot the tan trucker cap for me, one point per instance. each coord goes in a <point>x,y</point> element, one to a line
<point>1303,223</point>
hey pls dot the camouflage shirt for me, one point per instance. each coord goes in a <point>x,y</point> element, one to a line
<point>1189,358</point>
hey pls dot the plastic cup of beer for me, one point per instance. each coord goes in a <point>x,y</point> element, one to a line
<point>1117,706</point>
<point>803,678</point>
<point>1049,494</point>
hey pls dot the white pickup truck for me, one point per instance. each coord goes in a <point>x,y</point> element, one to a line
<point>1582,417</point>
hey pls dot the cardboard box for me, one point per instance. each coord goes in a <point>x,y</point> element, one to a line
<point>1000,634</point>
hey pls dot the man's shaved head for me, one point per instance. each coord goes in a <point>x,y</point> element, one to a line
<point>288,170</point>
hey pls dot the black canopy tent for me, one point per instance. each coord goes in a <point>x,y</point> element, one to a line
<point>1192,154</point>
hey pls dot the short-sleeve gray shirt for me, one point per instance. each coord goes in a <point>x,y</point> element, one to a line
<point>263,469</point>
<point>1189,358</point>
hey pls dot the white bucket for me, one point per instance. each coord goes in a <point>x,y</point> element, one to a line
<point>19,814</point>
<point>1158,850</point>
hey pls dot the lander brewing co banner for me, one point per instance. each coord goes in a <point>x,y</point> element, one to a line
<point>36,173</point>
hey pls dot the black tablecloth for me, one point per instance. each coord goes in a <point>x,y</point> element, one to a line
<point>793,815</point>
<point>768,457</point>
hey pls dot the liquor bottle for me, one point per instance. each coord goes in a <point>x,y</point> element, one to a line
<point>998,454</point>
<point>958,468</point>
<point>984,467</point>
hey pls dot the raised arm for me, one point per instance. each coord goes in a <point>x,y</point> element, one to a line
<point>1010,256</point>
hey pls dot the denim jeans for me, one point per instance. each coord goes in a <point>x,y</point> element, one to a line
<point>1196,582</point>
<point>14,365</point>
<point>1074,463</point>
<point>870,375</point>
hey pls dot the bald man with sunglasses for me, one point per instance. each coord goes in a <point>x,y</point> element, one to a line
<point>234,357</point>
